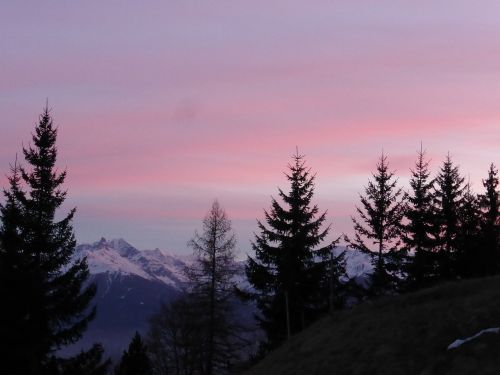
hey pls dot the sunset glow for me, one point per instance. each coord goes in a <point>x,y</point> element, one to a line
<point>164,107</point>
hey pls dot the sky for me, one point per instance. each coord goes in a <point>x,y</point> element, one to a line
<point>164,106</point>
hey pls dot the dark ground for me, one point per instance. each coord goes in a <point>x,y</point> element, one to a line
<point>406,334</point>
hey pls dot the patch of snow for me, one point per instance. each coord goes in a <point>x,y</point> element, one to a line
<point>459,342</point>
<point>358,264</point>
<point>117,257</point>
<point>105,260</point>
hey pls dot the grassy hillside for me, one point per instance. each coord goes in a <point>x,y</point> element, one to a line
<point>406,334</point>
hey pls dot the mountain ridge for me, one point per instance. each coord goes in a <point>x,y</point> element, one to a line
<point>132,284</point>
<point>117,256</point>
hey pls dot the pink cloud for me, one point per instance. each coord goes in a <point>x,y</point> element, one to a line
<point>184,103</point>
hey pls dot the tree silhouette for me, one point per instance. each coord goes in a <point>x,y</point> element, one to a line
<point>448,194</point>
<point>52,306</point>
<point>489,205</point>
<point>418,230</point>
<point>212,288</point>
<point>383,207</point>
<point>135,360</point>
<point>469,255</point>
<point>14,285</point>
<point>289,272</point>
<point>86,363</point>
<point>177,338</point>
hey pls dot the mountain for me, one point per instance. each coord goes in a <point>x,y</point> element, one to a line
<point>131,285</point>
<point>118,257</point>
<point>358,264</point>
<point>449,329</point>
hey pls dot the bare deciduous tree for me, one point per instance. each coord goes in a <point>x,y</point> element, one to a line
<point>199,333</point>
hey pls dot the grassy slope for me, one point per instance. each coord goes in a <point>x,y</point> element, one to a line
<point>405,334</point>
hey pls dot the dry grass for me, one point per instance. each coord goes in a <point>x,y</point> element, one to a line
<point>405,334</point>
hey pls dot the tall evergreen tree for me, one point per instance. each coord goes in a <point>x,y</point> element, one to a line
<point>489,204</point>
<point>212,289</point>
<point>418,237</point>
<point>383,207</point>
<point>469,254</point>
<point>55,302</point>
<point>448,195</point>
<point>289,270</point>
<point>135,360</point>
<point>14,286</point>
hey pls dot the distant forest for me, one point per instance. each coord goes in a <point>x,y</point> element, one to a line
<point>436,229</point>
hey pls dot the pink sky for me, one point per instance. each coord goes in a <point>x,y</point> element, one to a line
<point>164,107</point>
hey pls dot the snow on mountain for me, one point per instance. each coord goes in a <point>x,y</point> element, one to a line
<point>165,267</point>
<point>132,284</point>
<point>104,260</point>
<point>118,258</point>
<point>358,264</point>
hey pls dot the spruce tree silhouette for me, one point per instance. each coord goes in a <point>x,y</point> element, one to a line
<point>469,254</point>
<point>383,207</point>
<point>135,360</point>
<point>449,190</point>
<point>52,306</point>
<point>418,231</point>
<point>88,362</point>
<point>489,205</point>
<point>290,270</point>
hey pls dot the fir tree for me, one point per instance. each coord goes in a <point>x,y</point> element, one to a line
<point>14,286</point>
<point>447,200</point>
<point>469,254</point>
<point>340,287</point>
<point>418,236</point>
<point>135,360</point>
<point>212,287</point>
<point>489,204</point>
<point>383,207</point>
<point>54,303</point>
<point>289,271</point>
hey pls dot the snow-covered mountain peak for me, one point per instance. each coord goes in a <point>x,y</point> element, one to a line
<point>106,260</point>
<point>118,244</point>
<point>118,257</point>
<point>358,264</point>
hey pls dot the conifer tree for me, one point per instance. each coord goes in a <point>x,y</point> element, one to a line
<point>418,237</point>
<point>448,195</point>
<point>212,288</point>
<point>14,284</point>
<point>290,267</point>
<point>489,204</point>
<point>469,254</point>
<point>340,287</point>
<point>55,302</point>
<point>135,360</point>
<point>383,207</point>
